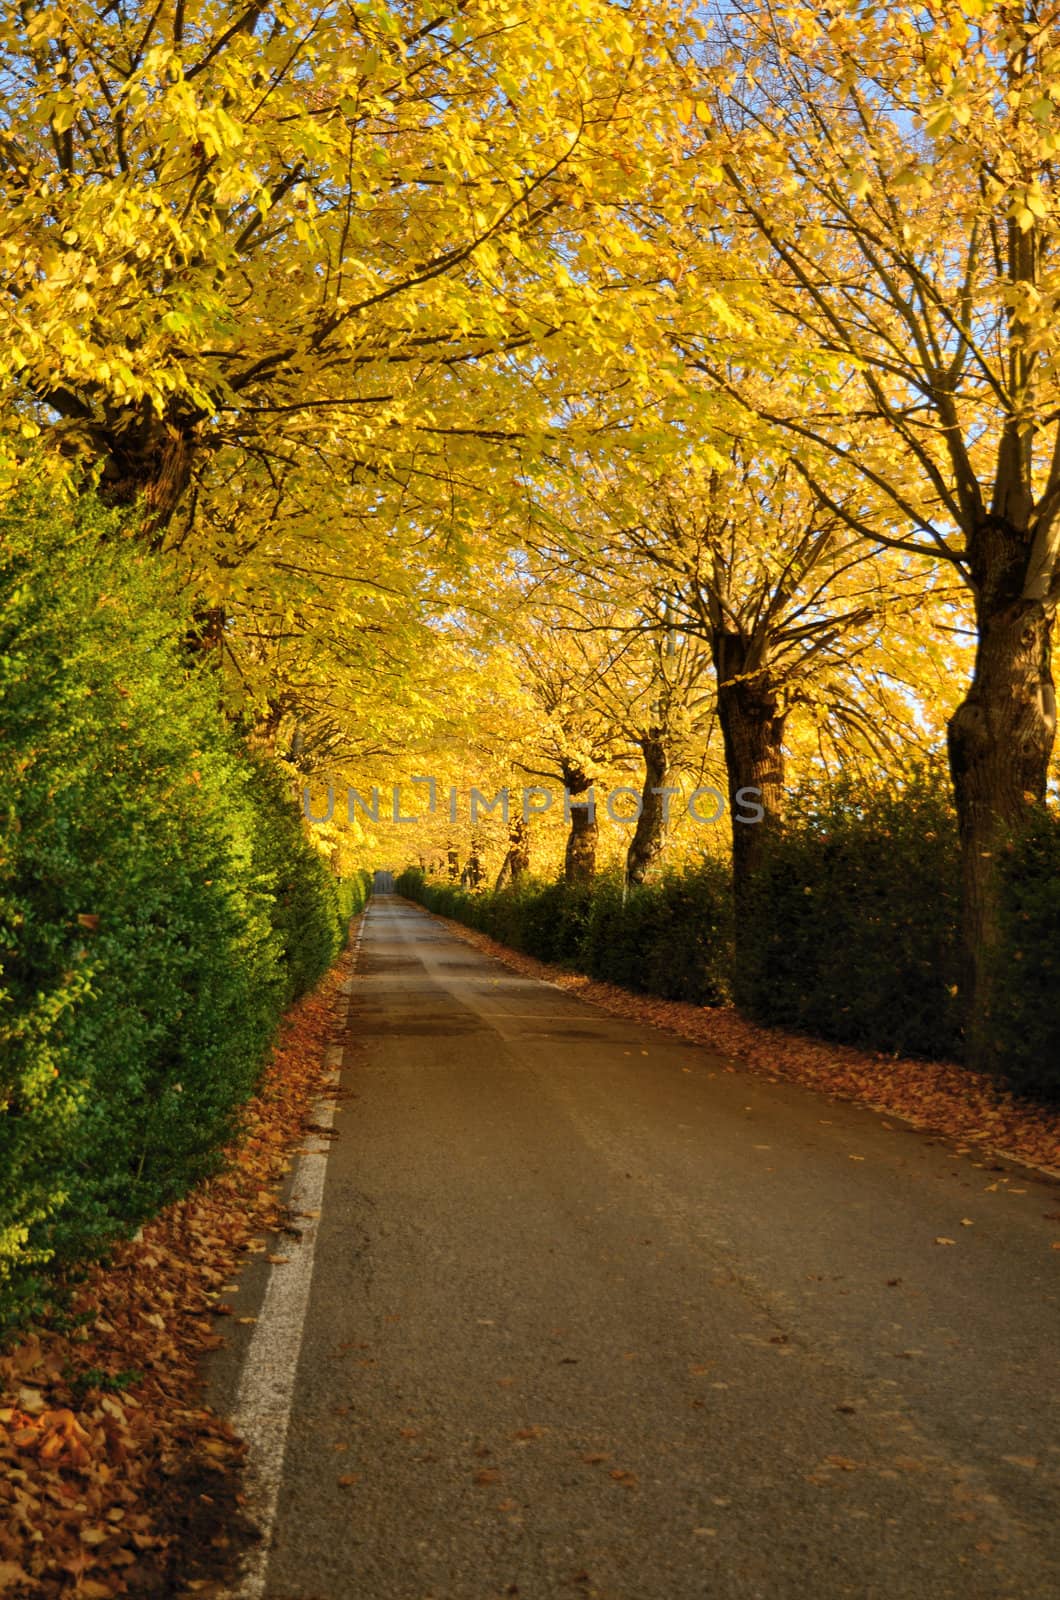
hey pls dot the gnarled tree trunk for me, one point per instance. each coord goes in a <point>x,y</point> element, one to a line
<point>1000,739</point>
<point>649,835</point>
<point>752,717</point>
<point>579,865</point>
<point>144,456</point>
<point>517,861</point>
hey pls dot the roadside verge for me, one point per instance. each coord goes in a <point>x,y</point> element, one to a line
<point>115,1477</point>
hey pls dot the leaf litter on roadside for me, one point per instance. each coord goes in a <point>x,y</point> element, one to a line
<point>115,1478</point>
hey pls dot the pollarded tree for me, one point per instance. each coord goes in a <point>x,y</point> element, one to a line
<point>795,611</point>
<point>641,676</point>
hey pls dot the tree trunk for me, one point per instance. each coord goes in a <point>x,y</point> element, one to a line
<point>453,861</point>
<point>579,864</point>
<point>649,835</point>
<point>1000,738</point>
<point>517,861</point>
<point>580,861</point>
<point>473,871</point>
<point>752,718</point>
<point>149,457</point>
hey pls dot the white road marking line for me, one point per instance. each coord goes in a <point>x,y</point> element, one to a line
<point>266,1388</point>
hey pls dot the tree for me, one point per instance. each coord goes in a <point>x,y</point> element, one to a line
<point>280,229</point>
<point>794,609</point>
<point>888,179</point>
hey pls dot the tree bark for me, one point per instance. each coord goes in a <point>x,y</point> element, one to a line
<point>453,863</point>
<point>144,457</point>
<point>580,860</point>
<point>471,876</point>
<point>752,718</point>
<point>517,861</point>
<point>579,864</point>
<point>649,836</point>
<point>1000,739</point>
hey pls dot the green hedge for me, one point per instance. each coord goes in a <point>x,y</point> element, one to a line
<point>1024,1011</point>
<point>159,903</point>
<point>853,927</point>
<point>353,894</point>
<point>671,938</point>
<point>305,911</point>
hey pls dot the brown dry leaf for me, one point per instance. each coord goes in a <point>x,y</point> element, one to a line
<point>941,1240</point>
<point>595,1459</point>
<point>278,1261</point>
<point>487,1475</point>
<point>348,1478</point>
<point>532,1432</point>
<point>1021,1461</point>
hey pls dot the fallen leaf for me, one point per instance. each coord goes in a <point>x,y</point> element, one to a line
<point>941,1240</point>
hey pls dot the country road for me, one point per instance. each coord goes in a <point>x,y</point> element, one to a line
<point>594,1315</point>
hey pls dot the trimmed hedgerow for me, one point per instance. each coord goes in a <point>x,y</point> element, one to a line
<point>852,928</point>
<point>146,947</point>
<point>353,894</point>
<point>1024,1021</point>
<point>305,910</point>
<point>672,938</point>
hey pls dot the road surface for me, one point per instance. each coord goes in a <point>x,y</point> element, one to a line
<point>594,1315</point>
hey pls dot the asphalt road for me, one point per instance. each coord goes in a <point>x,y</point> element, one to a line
<point>593,1314</point>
